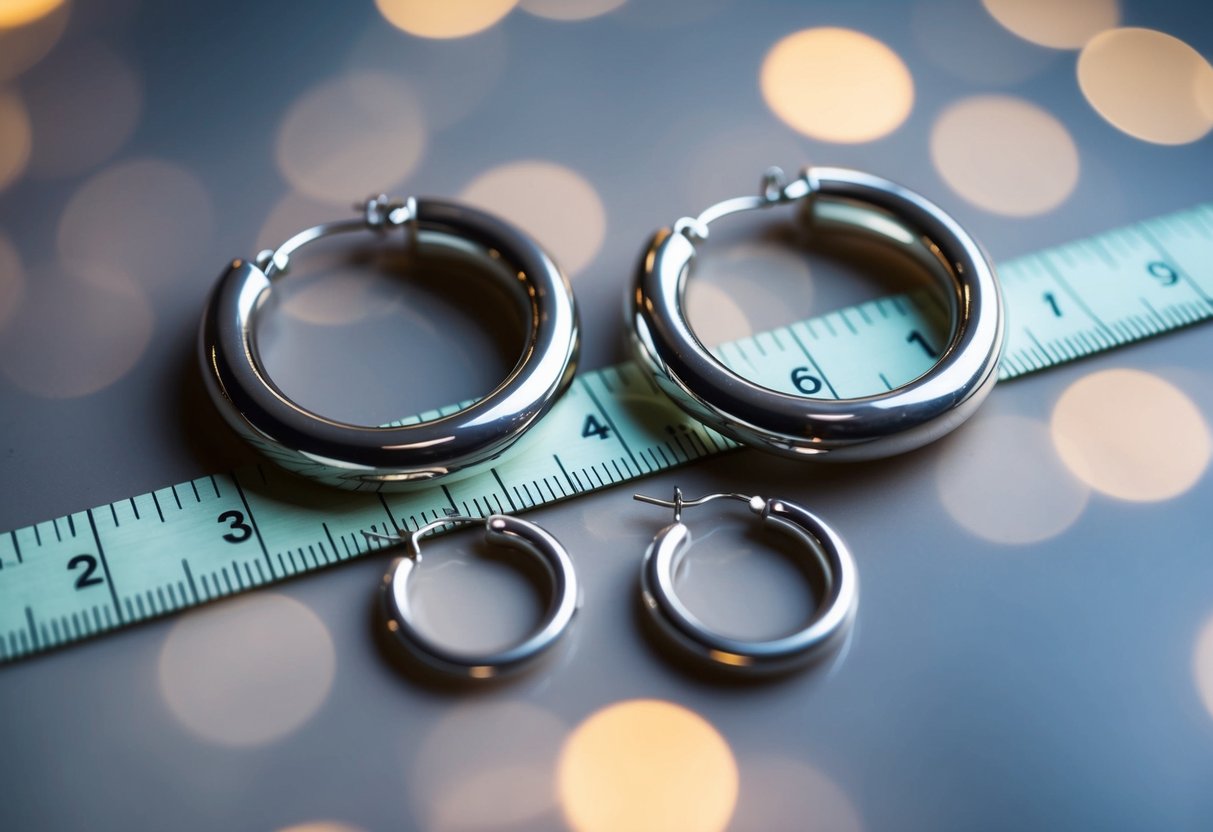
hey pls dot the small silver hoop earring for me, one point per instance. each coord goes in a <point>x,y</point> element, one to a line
<point>868,427</point>
<point>502,530</point>
<point>684,629</point>
<point>403,456</point>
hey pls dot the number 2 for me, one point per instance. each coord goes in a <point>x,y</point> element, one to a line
<point>86,578</point>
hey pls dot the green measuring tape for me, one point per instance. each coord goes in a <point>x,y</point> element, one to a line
<point>82,574</point>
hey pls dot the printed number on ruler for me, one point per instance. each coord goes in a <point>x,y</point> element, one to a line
<point>72,577</point>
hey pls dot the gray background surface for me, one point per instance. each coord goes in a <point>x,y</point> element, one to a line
<point>1052,684</point>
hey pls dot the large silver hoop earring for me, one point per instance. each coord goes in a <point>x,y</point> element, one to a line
<point>896,421</point>
<point>392,458</point>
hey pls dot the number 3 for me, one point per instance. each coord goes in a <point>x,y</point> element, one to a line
<point>240,531</point>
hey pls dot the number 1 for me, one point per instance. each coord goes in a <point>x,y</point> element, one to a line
<point>1051,299</point>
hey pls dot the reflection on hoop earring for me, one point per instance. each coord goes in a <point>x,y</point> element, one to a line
<point>828,554</point>
<point>502,530</point>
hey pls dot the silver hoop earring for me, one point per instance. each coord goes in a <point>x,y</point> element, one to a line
<point>874,426</point>
<point>828,553</point>
<point>390,458</point>
<point>501,530</point>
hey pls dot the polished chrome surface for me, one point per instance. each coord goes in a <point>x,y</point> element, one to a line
<point>827,554</point>
<point>385,458</point>
<point>501,530</point>
<point>900,420</point>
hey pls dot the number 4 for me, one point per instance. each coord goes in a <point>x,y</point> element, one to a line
<point>593,427</point>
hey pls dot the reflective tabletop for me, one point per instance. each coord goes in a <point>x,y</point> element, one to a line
<point>1033,642</point>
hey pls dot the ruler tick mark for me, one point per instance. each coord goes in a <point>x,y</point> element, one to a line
<point>560,465</point>
<point>504,490</point>
<point>248,512</point>
<point>390,516</point>
<point>329,535</point>
<point>105,565</point>
<point>812,361</point>
<point>33,630</point>
<point>189,578</point>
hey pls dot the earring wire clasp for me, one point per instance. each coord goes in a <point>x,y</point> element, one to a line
<point>414,539</point>
<point>757,504</point>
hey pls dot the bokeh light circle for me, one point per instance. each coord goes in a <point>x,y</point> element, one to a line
<point>1148,84</point>
<point>1000,478</point>
<point>1132,435</point>
<point>1202,664</point>
<point>84,106</point>
<point>23,46</point>
<point>15,13</point>
<point>486,765</point>
<point>747,287</point>
<point>12,279</point>
<point>645,764</point>
<point>837,85</point>
<point>16,138</point>
<point>569,9</point>
<point>452,78</point>
<point>351,137</point>
<point>69,337</point>
<point>1005,155</point>
<point>1067,24</point>
<point>555,205</point>
<point>1204,94</point>
<point>144,218</point>
<point>247,671</point>
<point>715,316</point>
<point>322,826</point>
<point>444,18</point>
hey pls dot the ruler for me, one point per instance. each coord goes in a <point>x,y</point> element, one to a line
<point>82,574</point>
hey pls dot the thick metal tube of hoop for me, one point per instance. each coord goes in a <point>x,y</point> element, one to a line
<point>505,531</point>
<point>684,629</point>
<point>362,457</point>
<point>846,429</point>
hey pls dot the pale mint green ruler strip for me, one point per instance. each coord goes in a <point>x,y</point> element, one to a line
<point>76,576</point>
